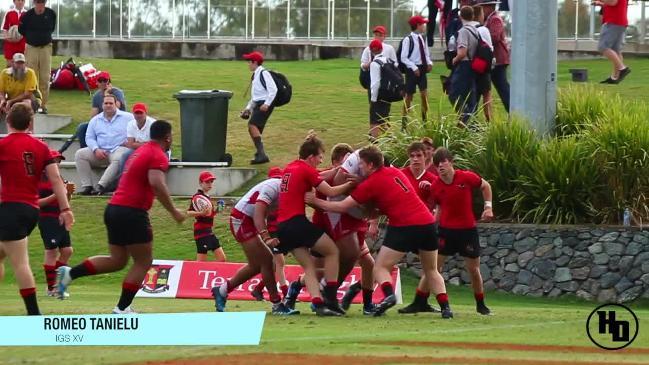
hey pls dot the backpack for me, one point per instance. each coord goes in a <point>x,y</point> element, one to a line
<point>364,78</point>
<point>483,57</point>
<point>402,66</point>
<point>392,86</point>
<point>284,88</point>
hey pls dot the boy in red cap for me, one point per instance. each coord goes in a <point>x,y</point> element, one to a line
<point>388,51</point>
<point>415,56</point>
<point>379,109</point>
<point>202,209</point>
<point>58,246</point>
<point>260,106</point>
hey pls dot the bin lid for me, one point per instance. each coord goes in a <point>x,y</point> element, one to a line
<point>203,94</point>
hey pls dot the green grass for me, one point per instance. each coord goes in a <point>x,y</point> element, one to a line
<point>329,100</point>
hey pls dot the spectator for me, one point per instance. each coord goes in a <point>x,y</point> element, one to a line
<point>137,131</point>
<point>496,27</point>
<point>379,109</point>
<point>37,25</point>
<point>388,50</point>
<point>614,23</point>
<point>260,106</point>
<point>417,62</point>
<point>106,138</point>
<point>103,86</point>
<point>18,85</point>
<point>10,24</point>
<point>462,93</point>
<point>483,81</point>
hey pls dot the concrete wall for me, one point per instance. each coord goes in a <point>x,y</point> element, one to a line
<point>593,263</point>
<point>182,178</point>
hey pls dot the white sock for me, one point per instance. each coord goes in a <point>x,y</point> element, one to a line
<point>223,290</point>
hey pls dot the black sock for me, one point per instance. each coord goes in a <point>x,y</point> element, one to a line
<point>356,286</point>
<point>367,296</point>
<point>387,288</point>
<point>259,145</point>
<point>331,291</point>
<point>29,297</point>
<point>83,269</point>
<point>128,293</point>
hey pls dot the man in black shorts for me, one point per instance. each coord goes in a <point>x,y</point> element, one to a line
<point>415,56</point>
<point>127,219</point>
<point>260,106</point>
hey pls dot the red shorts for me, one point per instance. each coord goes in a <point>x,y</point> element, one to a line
<point>338,225</point>
<point>242,227</point>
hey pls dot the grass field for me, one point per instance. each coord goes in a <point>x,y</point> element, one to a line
<point>328,99</point>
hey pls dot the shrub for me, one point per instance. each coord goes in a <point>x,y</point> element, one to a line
<point>579,108</point>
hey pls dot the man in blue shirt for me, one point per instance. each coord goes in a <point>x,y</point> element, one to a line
<point>106,139</point>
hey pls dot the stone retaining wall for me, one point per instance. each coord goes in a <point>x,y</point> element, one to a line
<point>607,264</point>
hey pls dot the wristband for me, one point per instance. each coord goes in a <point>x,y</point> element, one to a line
<point>66,210</point>
<point>487,204</point>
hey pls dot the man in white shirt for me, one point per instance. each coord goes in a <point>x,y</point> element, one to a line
<point>137,131</point>
<point>463,90</point>
<point>415,56</point>
<point>388,50</point>
<point>379,109</point>
<point>260,106</point>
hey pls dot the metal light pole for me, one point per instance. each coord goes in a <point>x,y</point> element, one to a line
<point>534,63</point>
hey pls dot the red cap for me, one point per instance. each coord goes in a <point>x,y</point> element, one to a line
<point>103,75</point>
<point>417,19</point>
<point>379,29</point>
<point>206,176</point>
<point>254,56</point>
<point>274,172</point>
<point>140,107</point>
<point>56,154</point>
<point>376,45</point>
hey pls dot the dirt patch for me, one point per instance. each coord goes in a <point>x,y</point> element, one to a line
<point>516,347</point>
<point>305,359</point>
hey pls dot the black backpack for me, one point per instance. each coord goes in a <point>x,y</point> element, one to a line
<point>483,57</point>
<point>284,88</point>
<point>392,86</point>
<point>364,78</point>
<point>402,66</point>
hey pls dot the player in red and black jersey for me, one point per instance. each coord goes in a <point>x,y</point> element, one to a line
<point>298,235</point>
<point>410,225</point>
<point>421,179</point>
<point>127,219</point>
<point>204,236</point>
<point>23,159</point>
<point>58,246</point>
<point>453,194</point>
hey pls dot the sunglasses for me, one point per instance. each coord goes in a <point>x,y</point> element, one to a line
<point>102,80</point>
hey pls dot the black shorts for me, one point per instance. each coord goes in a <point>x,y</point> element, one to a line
<point>297,232</point>
<point>54,235</point>
<point>274,249</point>
<point>412,81</point>
<point>466,242</point>
<point>482,83</point>
<point>379,112</point>
<point>259,118</point>
<point>207,243</point>
<point>127,226</point>
<point>411,238</point>
<point>17,221</point>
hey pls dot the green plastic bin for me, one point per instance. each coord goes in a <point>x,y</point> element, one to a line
<point>204,125</point>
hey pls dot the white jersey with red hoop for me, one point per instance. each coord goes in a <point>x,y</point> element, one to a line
<point>351,165</point>
<point>266,191</point>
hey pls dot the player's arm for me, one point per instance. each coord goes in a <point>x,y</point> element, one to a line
<point>259,218</point>
<point>487,213</point>
<point>193,213</point>
<point>339,207</point>
<point>329,190</point>
<point>42,202</point>
<point>157,182</point>
<point>328,174</point>
<point>61,193</point>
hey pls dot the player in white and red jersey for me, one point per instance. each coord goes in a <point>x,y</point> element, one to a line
<point>248,224</point>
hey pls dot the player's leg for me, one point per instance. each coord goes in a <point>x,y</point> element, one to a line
<point>472,266</point>
<point>326,247</point>
<point>349,251</point>
<point>280,275</point>
<point>49,266</point>
<point>385,261</point>
<point>19,260</point>
<point>2,262</point>
<point>219,255</point>
<point>305,260</point>
<point>142,254</point>
<point>435,280</point>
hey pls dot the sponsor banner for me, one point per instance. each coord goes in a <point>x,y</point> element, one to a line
<point>243,328</point>
<point>196,279</point>
<point>161,281</point>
